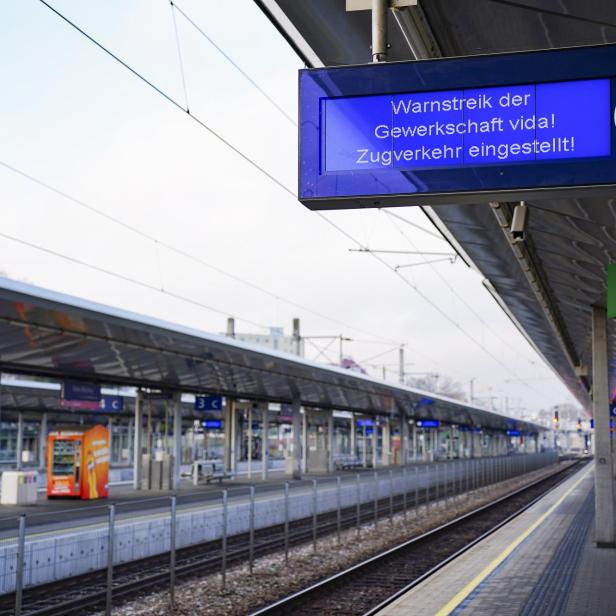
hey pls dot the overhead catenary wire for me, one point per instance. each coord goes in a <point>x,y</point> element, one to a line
<point>232,62</point>
<point>274,179</point>
<point>159,243</point>
<point>126,278</point>
<point>433,304</point>
<point>180,59</point>
<point>172,100</point>
<point>213,133</point>
<point>454,292</point>
<point>412,224</point>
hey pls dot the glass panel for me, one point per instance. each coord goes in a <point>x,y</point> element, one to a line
<point>63,461</point>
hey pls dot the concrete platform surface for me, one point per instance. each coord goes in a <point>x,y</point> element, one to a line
<point>542,563</point>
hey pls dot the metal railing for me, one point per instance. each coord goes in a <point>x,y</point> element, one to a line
<point>36,551</point>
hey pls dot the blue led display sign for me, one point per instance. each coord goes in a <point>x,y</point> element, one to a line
<point>364,423</point>
<point>476,128</point>
<point>468,127</point>
<point>428,423</point>
<point>212,424</point>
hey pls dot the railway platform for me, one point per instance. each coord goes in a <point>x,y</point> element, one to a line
<point>544,561</point>
<point>64,512</point>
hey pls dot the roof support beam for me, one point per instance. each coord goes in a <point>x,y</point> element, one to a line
<point>523,252</point>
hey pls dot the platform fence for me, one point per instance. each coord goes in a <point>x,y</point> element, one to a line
<point>235,521</point>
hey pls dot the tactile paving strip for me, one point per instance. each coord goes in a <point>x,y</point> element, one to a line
<point>551,592</point>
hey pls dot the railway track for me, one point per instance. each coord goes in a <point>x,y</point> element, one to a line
<point>83,593</point>
<point>366,588</point>
<point>86,593</point>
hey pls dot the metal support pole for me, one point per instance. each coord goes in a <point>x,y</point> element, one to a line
<point>177,441</point>
<point>364,450</point>
<point>42,458</point>
<point>404,438</point>
<point>314,516</point>
<point>172,531</point>
<point>416,491</point>
<point>251,530</point>
<point>404,490</point>
<point>428,488</point>
<point>358,504</point>
<point>391,497</point>
<point>330,442</point>
<point>379,49</point>
<point>376,499</point>
<point>19,569</point>
<point>20,440</point>
<point>286,523</point>
<point>604,480</point>
<point>375,441</point>
<point>224,538</point>
<point>110,542</point>
<point>249,448</point>
<point>353,438</point>
<point>305,441</point>
<point>436,483</point>
<point>297,439</point>
<point>338,509</point>
<point>265,441</point>
<point>138,441</point>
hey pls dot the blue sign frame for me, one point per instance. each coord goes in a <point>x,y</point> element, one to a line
<point>80,390</point>
<point>330,183</point>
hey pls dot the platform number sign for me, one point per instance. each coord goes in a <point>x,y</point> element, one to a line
<point>208,403</point>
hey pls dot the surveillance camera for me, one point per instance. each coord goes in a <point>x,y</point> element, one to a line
<point>518,223</point>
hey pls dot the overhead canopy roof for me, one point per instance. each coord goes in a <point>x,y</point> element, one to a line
<point>34,397</point>
<point>547,285</point>
<point>49,334</point>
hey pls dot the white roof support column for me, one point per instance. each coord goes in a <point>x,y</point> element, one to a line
<point>137,441</point>
<point>19,447</point>
<point>305,428</point>
<point>177,441</point>
<point>42,456</point>
<point>404,437</point>
<point>353,436</point>
<point>264,440</point>
<point>604,480</point>
<point>375,441</point>
<point>297,439</point>
<point>330,441</point>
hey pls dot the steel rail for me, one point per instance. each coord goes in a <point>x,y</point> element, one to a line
<point>287,604</point>
<point>206,556</point>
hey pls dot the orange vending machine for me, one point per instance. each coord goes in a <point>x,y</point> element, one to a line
<point>78,462</point>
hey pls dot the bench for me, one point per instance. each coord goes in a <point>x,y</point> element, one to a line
<point>346,461</point>
<point>210,470</point>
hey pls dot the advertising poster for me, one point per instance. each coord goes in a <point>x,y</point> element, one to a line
<point>95,456</point>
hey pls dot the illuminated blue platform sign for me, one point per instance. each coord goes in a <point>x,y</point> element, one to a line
<point>467,129</point>
<point>428,423</point>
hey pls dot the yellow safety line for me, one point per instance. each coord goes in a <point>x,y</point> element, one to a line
<point>470,587</point>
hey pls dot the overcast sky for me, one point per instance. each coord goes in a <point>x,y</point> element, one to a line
<point>78,121</point>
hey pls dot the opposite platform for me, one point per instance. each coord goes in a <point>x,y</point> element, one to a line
<point>543,562</point>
